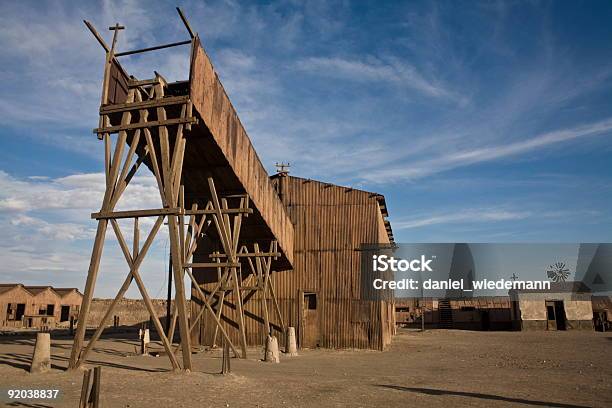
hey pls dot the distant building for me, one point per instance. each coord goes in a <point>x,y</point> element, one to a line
<point>602,313</point>
<point>37,306</point>
<point>566,306</point>
<point>477,313</point>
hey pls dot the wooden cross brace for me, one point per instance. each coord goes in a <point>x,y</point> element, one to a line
<point>119,171</point>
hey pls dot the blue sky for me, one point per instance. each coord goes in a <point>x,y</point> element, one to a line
<point>487,122</point>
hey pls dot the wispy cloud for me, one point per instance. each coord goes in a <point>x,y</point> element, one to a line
<point>390,70</point>
<point>472,218</point>
<point>448,161</point>
<point>469,216</point>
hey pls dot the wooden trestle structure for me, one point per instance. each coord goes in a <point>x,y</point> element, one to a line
<point>212,190</point>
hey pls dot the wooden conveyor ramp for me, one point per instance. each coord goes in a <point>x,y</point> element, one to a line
<point>226,222</point>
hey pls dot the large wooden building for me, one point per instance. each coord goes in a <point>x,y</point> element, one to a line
<point>322,295</point>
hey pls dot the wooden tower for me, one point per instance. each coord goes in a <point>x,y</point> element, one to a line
<point>213,191</point>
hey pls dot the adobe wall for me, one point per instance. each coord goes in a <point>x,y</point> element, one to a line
<point>131,312</point>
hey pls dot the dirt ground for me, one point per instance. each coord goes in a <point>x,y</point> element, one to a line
<point>436,368</point>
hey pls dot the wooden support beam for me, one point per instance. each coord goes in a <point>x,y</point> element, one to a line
<point>219,311</point>
<point>248,255</point>
<point>212,265</point>
<point>135,213</point>
<point>121,183</point>
<point>152,103</point>
<point>181,226</point>
<point>90,284</point>
<point>169,187</point>
<point>212,312</point>
<point>135,83</point>
<point>147,300</point>
<point>185,22</point>
<point>134,264</point>
<point>157,47</point>
<point>155,165</point>
<point>117,158</point>
<point>263,273</point>
<point>97,35</point>
<point>276,306</point>
<point>223,211</point>
<point>140,125</point>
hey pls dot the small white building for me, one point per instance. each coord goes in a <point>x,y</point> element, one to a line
<point>565,306</point>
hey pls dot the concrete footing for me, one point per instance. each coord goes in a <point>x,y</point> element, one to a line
<point>272,354</point>
<point>291,345</point>
<point>41,359</point>
<point>145,339</point>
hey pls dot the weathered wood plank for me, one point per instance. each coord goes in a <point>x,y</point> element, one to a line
<point>218,114</point>
<point>153,103</point>
<point>140,125</point>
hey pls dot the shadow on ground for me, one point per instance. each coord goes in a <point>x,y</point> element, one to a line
<point>432,391</point>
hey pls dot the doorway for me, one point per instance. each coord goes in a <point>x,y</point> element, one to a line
<point>64,313</point>
<point>310,320</point>
<point>485,320</point>
<point>20,311</point>
<point>555,315</point>
<point>600,320</point>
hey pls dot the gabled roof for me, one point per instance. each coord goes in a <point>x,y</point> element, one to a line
<point>66,291</point>
<point>382,204</point>
<point>35,290</point>
<point>5,287</point>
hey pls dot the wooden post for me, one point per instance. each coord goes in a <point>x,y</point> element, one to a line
<point>88,295</point>
<point>226,363</point>
<point>230,247</point>
<point>263,278</point>
<point>90,390</point>
<point>220,301</point>
<point>96,387</point>
<point>169,316</point>
<point>84,400</point>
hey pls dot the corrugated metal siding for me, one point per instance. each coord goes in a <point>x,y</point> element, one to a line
<point>330,224</point>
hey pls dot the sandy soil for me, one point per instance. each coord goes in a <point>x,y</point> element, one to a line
<point>436,368</point>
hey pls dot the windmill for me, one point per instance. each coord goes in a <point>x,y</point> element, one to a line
<point>557,272</point>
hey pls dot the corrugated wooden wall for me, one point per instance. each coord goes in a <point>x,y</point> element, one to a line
<point>330,224</point>
<point>215,108</point>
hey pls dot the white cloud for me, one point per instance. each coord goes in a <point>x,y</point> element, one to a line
<point>74,192</point>
<point>48,233</point>
<point>461,216</point>
<point>446,161</point>
<point>54,231</point>
<point>391,70</point>
<point>473,218</point>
